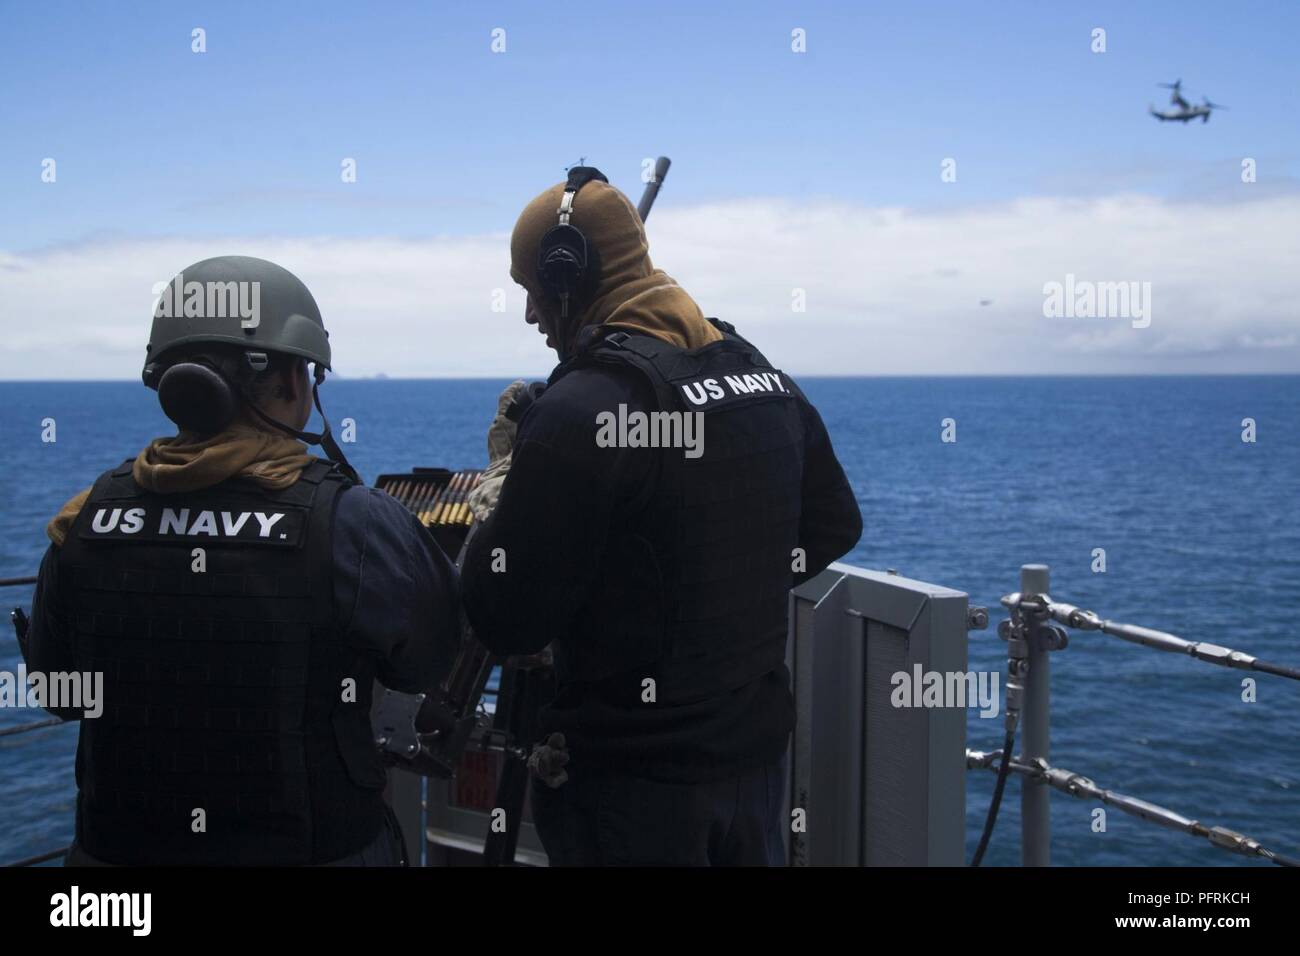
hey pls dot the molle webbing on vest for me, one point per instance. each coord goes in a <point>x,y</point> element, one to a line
<point>211,616</point>
<point>723,526</point>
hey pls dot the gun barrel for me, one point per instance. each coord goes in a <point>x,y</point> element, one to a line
<point>652,187</point>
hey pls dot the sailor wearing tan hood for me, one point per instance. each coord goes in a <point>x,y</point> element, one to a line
<point>658,573</point>
<point>629,292</point>
<point>624,290</point>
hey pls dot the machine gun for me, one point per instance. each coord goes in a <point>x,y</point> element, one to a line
<point>431,733</point>
<point>427,733</point>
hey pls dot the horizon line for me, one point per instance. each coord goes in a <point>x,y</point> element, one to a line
<point>801,377</point>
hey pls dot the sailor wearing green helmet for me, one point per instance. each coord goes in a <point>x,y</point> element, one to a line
<point>217,582</point>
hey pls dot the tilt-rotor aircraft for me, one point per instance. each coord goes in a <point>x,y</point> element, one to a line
<point>1183,111</point>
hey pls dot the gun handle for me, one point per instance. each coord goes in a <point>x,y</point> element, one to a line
<point>21,623</point>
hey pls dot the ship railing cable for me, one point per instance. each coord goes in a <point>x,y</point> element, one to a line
<point>22,729</point>
<point>1077,785</point>
<point>41,858</point>
<point>1043,606</point>
<point>34,725</point>
<point>1035,610</point>
<point>13,732</point>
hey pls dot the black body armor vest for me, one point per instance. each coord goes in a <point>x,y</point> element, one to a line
<point>695,591</point>
<point>230,733</point>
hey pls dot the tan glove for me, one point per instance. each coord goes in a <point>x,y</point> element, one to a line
<point>546,762</point>
<point>500,443</point>
<point>483,499</point>
<point>501,433</point>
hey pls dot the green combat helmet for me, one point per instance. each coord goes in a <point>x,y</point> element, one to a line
<point>249,303</point>
<point>213,329</point>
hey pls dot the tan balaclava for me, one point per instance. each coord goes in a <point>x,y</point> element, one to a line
<point>630,292</point>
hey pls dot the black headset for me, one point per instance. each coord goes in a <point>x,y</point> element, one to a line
<point>567,265</point>
<point>197,397</point>
<point>203,394</point>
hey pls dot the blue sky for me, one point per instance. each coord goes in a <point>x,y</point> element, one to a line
<point>450,138</point>
<point>243,143</point>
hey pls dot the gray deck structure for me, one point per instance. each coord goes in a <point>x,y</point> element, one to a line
<point>882,785</point>
<point>877,785</point>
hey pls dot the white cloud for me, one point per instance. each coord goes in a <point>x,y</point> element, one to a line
<point>889,290</point>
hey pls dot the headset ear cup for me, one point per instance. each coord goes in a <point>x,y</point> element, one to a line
<point>562,261</point>
<point>566,265</point>
<point>197,398</point>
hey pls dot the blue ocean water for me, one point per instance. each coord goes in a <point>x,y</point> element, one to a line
<point>1200,529</point>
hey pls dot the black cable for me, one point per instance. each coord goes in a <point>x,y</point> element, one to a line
<point>1279,669</point>
<point>1281,860</point>
<point>992,817</point>
<point>324,438</point>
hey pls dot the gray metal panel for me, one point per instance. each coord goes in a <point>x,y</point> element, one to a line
<point>945,650</point>
<point>895,824</point>
<point>883,785</point>
<point>835,797</point>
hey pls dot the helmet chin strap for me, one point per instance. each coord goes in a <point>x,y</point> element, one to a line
<point>324,437</point>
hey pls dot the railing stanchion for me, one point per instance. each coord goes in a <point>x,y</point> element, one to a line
<point>1036,732</point>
